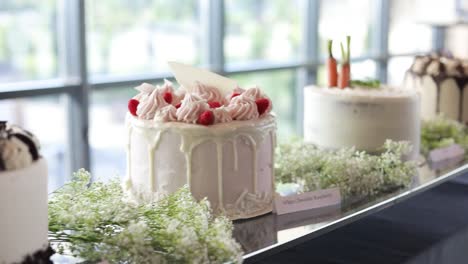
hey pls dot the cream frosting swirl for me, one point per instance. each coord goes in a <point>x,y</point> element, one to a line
<point>167,87</point>
<point>15,154</point>
<point>222,115</point>
<point>145,89</point>
<point>166,114</point>
<point>237,91</point>
<point>178,96</point>
<point>150,104</point>
<point>243,107</point>
<point>433,68</point>
<point>192,106</point>
<point>210,94</point>
<point>254,92</point>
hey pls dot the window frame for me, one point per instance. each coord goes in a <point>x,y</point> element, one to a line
<point>77,84</point>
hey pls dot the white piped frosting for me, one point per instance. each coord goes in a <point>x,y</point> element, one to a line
<point>166,114</point>
<point>222,115</point>
<point>210,94</point>
<point>15,154</point>
<point>154,101</point>
<point>191,108</point>
<point>243,107</point>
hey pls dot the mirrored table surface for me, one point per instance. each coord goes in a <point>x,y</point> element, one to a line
<point>268,234</point>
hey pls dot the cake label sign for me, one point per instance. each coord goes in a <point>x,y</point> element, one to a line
<point>453,153</point>
<point>306,201</point>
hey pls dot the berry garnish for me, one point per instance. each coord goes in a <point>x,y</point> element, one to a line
<point>178,105</point>
<point>206,118</point>
<point>132,106</point>
<point>262,105</point>
<point>234,95</point>
<point>167,97</point>
<point>214,104</point>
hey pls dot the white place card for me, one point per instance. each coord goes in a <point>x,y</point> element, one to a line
<point>188,76</point>
<point>452,152</point>
<point>306,201</point>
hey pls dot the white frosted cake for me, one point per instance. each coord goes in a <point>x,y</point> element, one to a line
<point>220,145</point>
<point>443,85</point>
<point>361,117</point>
<point>23,197</point>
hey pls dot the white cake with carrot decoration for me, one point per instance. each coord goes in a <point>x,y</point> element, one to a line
<point>210,134</point>
<point>360,114</point>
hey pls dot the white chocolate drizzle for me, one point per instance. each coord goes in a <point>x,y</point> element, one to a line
<point>128,182</point>
<point>234,149</point>
<point>219,153</point>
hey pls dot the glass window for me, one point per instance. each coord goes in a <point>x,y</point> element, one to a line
<point>107,135</point>
<point>128,37</point>
<point>339,18</point>
<point>405,33</point>
<point>397,68</point>
<point>359,70</point>
<point>280,87</point>
<point>28,40</point>
<point>45,117</point>
<point>250,35</point>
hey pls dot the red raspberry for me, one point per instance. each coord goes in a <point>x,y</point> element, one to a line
<point>178,105</point>
<point>262,105</point>
<point>214,104</point>
<point>167,97</point>
<point>206,118</point>
<point>132,106</point>
<point>234,95</point>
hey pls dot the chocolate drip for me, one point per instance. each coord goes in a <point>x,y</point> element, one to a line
<point>2,164</point>
<point>30,143</point>
<point>443,62</point>
<point>39,257</point>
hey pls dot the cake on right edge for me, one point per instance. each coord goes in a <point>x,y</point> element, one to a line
<point>442,82</point>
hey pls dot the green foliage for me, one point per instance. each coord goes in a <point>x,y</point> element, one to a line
<point>356,173</point>
<point>96,221</point>
<point>367,83</point>
<point>442,132</point>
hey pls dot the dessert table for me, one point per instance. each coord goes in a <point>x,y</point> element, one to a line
<point>269,234</point>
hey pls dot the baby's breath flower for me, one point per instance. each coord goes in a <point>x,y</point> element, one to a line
<point>356,173</point>
<point>442,132</point>
<point>96,221</point>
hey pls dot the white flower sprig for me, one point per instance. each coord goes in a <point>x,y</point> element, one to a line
<point>356,173</point>
<point>96,221</point>
<point>442,132</point>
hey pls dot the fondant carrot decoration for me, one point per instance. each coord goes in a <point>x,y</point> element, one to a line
<point>345,74</point>
<point>331,67</point>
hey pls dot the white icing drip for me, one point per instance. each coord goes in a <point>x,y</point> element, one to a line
<point>152,148</point>
<point>234,148</point>
<point>253,144</point>
<point>129,157</point>
<point>273,146</point>
<point>219,150</point>
<point>151,168</point>
<point>188,163</point>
